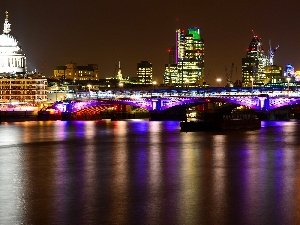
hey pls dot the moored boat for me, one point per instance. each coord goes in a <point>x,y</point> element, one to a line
<point>217,122</point>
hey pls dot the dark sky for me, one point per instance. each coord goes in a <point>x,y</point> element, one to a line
<point>56,32</point>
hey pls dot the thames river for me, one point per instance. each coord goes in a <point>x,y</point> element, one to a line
<point>141,172</point>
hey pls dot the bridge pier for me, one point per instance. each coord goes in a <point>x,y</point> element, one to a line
<point>66,116</point>
<point>279,114</point>
<point>168,115</point>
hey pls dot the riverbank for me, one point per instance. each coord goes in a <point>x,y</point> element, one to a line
<point>18,116</point>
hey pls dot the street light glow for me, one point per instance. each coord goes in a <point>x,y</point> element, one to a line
<point>218,81</point>
<point>288,80</point>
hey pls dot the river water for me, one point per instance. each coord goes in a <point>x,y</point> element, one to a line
<point>141,172</point>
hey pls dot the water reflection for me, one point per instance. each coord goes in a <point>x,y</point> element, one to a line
<point>119,176</point>
<point>11,186</point>
<point>141,172</point>
<point>219,177</point>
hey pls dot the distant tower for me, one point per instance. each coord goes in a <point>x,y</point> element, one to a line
<point>253,65</point>
<point>119,75</point>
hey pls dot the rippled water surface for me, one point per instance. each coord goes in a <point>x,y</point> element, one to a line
<point>141,172</point>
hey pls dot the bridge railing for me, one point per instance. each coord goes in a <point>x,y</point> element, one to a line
<point>166,94</point>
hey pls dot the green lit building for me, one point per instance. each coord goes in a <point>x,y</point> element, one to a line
<point>186,59</point>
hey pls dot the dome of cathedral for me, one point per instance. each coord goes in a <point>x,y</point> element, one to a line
<point>8,43</point>
<point>8,40</point>
<point>12,60</point>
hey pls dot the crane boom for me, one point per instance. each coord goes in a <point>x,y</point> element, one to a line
<point>271,52</point>
<point>229,75</point>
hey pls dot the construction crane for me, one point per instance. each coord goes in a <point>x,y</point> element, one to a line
<point>229,75</point>
<point>271,53</point>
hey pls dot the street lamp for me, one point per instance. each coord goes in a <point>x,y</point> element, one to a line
<point>252,79</point>
<point>218,81</point>
<point>121,85</point>
<point>89,87</point>
<point>56,89</point>
<point>154,83</point>
<point>288,80</point>
<point>187,82</point>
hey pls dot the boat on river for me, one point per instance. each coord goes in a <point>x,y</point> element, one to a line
<point>218,122</point>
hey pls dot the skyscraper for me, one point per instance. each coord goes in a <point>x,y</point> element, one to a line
<point>144,72</point>
<point>186,59</point>
<point>253,65</point>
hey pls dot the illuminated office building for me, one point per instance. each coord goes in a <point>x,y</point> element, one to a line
<point>12,59</point>
<point>289,73</point>
<point>186,59</point>
<point>297,75</point>
<point>289,70</point>
<point>253,65</point>
<point>274,74</point>
<point>144,72</point>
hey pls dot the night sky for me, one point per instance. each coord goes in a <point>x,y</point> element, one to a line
<point>56,32</point>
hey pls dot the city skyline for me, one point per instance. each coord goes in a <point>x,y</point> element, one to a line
<point>105,33</point>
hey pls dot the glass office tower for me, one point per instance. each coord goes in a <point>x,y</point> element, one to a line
<point>186,59</point>
<point>253,65</point>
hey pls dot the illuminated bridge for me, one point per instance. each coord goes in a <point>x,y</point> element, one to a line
<point>258,99</point>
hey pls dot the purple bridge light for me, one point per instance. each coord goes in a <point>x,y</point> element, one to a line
<point>259,102</point>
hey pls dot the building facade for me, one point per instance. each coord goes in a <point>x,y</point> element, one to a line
<point>253,65</point>
<point>25,90</point>
<point>186,59</point>
<point>144,72</point>
<point>274,74</point>
<point>16,86</point>
<point>72,71</point>
<point>12,59</point>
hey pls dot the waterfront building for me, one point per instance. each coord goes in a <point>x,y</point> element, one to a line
<point>16,85</point>
<point>186,59</point>
<point>144,72</point>
<point>12,58</point>
<point>24,90</point>
<point>72,71</point>
<point>253,65</point>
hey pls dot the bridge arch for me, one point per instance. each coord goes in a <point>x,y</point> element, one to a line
<point>258,102</point>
